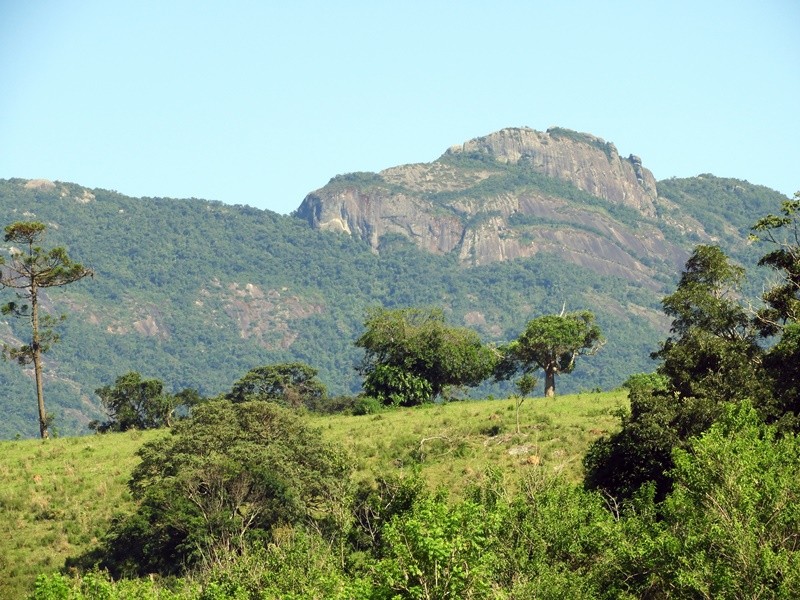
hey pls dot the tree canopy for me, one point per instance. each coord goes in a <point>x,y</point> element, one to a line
<point>137,403</point>
<point>225,476</point>
<point>551,343</point>
<point>289,384</point>
<point>412,355</point>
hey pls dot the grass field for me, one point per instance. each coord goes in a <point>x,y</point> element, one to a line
<point>58,496</point>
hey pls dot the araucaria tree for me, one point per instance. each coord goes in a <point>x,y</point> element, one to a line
<point>412,355</point>
<point>29,270</point>
<point>551,343</point>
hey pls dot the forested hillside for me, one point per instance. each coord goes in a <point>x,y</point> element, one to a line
<point>196,293</point>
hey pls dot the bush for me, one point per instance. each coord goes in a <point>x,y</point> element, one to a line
<point>226,476</point>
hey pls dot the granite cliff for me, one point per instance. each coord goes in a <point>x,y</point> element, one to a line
<point>513,194</point>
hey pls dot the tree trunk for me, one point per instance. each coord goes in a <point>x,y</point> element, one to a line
<point>549,382</point>
<point>36,351</point>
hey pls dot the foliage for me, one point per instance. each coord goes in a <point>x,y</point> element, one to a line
<point>31,270</point>
<point>437,551</point>
<point>551,343</point>
<point>58,499</point>
<point>288,384</point>
<point>554,537</point>
<point>781,313</point>
<point>645,382</point>
<point>730,527</point>
<point>228,474</point>
<point>136,403</point>
<point>395,386</point>
<point>412,355</point>
<point>782,232</point>
<point>712,357</point>
<point>782,363</point>
<point>99,586</point>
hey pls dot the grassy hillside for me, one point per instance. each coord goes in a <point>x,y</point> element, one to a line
<point>58,497</point>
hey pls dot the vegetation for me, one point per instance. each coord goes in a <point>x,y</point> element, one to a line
<point>729,528</point>
<point>689,493</point>
<point>551,343</point>
<point>288,384</point>
<point>412,356</point>
<point>59,500</point>
<point>31,270</point>
<point>136,403</point>
<point>224,478</point>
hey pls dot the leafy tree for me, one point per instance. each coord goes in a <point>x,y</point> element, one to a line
<point>711,358</point>
<point>30,270</point>
<point>395,386</point>
<point>783,232</point>
<point>412,355</point>
<point>289,384</point>
<point>225,477</point>
<point>781,313</point>
<point>551,343</point>
<point>136,403</point>
<point>438,551</point>
<point>712,352</point>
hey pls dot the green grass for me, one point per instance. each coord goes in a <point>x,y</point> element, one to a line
<point>57,497</point>
<point>452,445</point>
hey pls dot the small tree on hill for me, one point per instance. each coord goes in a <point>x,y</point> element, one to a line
<point>551,343</point>
<point>224,478</point>
<point>289,384</point>
<point>136,403</point>
<point>412,355</point>
<point>31,269</point>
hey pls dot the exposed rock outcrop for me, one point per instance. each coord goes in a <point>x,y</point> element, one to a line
<point>511,194</point>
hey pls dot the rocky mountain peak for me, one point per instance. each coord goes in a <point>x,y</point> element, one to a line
<point>588,162</point>
<point>511,194</point>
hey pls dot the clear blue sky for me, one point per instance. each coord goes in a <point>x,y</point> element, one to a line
<point>259,103</point>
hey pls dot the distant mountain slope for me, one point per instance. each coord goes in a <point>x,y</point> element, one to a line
<point>196,292</point>
<point>518,193</point>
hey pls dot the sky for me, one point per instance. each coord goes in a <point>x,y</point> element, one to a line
<point>262,102</point>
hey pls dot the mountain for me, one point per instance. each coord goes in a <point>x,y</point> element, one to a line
<point>515,194</point>
<point>496,231</point>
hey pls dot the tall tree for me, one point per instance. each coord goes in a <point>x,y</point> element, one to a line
<point>30,270</point>
<point>712,352</point>
<point>412,355</point>
<point>711,358</point>
<point>781,313</point>
<point>551,343</point>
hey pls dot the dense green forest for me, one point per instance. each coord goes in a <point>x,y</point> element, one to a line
<point>197,293</point>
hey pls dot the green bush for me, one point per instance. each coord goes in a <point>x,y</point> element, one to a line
<point>226,476</point>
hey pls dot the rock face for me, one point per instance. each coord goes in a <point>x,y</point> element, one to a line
<point>511,194</point>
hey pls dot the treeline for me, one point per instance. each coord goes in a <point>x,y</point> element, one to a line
<point>694,497</point>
